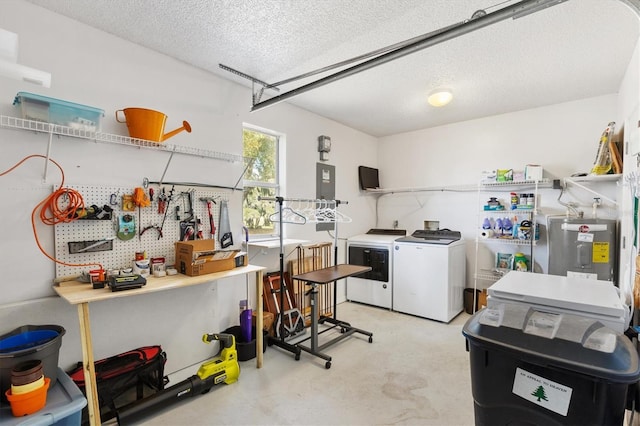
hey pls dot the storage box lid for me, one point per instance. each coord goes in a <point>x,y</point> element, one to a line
<point>46,100</point>
<point>568,341</point>
<point>569,293</point>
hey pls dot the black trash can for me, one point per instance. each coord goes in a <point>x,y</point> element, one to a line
<point>538,368</point>
<point>469,301</point>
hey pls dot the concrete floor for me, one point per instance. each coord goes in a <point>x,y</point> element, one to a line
<point>416,372</point>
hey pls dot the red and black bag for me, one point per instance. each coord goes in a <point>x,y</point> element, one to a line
<point>141,369</point>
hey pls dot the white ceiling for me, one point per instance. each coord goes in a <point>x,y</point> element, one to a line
<point>574,50</point>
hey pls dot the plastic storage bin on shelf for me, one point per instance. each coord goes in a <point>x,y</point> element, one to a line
<point>41,342</point>
<point>64,407</point>
<point>544,368</point>
<point>42,108</point>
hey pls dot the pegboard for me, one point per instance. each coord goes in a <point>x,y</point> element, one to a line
<point>123,252</point>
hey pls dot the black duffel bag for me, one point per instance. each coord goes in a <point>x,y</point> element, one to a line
<point>124,378</point>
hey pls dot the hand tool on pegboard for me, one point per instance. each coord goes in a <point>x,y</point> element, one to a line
<point>212,226</point>
<point>140,199</point>
<point>90,246</point>
<point>165,204</point>
<point>226,238</point>
<point>156,227</point>
<point>190,226</point>
<point>162,201</point>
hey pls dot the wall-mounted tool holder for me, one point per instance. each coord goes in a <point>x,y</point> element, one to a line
<point>71,238</point>
<point>90,246</point>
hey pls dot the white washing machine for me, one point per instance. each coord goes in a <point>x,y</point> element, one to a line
<point>374,249</point>
<point>429,274</point>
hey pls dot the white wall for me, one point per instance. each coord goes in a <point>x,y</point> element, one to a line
<point>563,138</point>
<point>97,69</point>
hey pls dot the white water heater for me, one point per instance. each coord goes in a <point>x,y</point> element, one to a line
<point>583,248</point>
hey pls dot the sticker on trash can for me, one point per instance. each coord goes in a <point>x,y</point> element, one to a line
<point>543,392</point>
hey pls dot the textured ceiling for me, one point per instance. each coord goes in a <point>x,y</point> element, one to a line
<point>574,50</point>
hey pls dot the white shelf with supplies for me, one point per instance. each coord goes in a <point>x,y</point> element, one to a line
<point>510,223</point>
<point>582,182</point>
<point>8,122</point>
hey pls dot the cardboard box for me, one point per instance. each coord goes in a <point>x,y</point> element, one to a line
<point>482,299</point>
<point>267,321</point>
<point>199,257</point>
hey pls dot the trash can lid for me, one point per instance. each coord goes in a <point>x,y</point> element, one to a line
<point>572,342</point>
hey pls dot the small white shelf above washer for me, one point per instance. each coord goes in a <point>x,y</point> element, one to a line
<point>594,178</point>
<point>267,244</point>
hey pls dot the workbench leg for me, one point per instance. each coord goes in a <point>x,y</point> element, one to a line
<point>91,388</point>
<point>259,319</point>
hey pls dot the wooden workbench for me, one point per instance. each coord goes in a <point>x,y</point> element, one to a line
<point>81,294</point>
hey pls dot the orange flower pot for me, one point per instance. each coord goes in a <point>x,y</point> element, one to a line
<point>28,403</point>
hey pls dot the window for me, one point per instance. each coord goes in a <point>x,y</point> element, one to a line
<point>260,180</point>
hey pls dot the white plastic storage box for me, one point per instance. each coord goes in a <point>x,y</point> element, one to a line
<point>41,108</point>
<point>64,407</point>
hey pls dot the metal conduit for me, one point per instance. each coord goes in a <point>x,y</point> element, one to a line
<point>361,57</point>
<point>518,10</point>
<point>633,5</point>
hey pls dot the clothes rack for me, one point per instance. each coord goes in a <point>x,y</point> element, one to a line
<point>318,210</point>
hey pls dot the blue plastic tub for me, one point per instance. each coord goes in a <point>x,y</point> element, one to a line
<point>41,342</point>
<point>64,407</point>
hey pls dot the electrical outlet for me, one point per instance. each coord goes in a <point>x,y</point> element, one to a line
<point>395,223</point>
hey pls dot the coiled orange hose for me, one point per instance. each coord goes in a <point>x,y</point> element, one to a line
<point>51,210</point>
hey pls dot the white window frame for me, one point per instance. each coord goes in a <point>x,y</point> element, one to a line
<point>279,174</point>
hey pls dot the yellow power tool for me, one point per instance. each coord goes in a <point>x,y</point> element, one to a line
<point>223,368</point>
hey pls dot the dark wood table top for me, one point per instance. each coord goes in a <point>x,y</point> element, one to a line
<point>332,273</point>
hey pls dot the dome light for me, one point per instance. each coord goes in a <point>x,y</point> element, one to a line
<point>440,97</point>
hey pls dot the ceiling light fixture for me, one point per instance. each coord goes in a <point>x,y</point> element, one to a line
<point>440,97</point>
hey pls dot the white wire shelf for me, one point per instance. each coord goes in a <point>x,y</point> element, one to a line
<point>275,243</point>
<point>509,212</point>
<point>39,126</point>
<point>491,274</point>
<point>448,188</point>
<point>542,183</point>
<point>594,178</point>
<point>507,241</point>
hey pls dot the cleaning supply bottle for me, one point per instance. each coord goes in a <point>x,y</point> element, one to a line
<point>520,262</point>
<point>514,201</point>
<point>245,321</point>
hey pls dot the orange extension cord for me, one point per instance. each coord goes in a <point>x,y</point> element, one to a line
<point>49,209</point>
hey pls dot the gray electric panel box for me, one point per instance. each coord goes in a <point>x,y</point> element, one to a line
<point>325,190</point>
<point>583,248</point>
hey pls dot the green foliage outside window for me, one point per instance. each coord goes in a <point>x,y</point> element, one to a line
<point>260,180</point>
